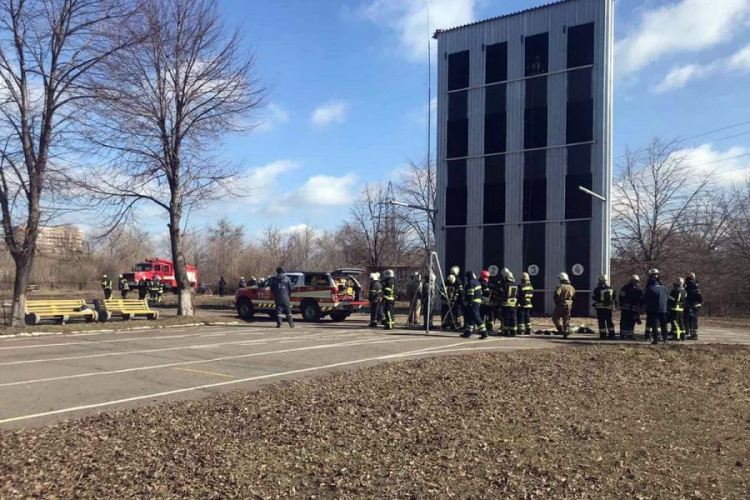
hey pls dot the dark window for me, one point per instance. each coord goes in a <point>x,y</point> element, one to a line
<point>458,70</point>
<point>537,54</point>
<point>458,105</point>
<point>580,122</point>
<point>536,92</point>
<point>535,113</point>
<point>578,251</point>
<point>455,247</point>
<point>456,194</point>
<point>578,205</point>
<point>494,246</point>
<point>535,186</point>
<point>496,63</point>
<point>458,125</point>
<point>580,45</point>
<point>494,190</point>
<point>534,252</point>
<point>495,121</point>
<point>579,85</point>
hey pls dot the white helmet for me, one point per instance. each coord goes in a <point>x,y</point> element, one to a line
<point>604,279</point>
<point>432,277</point>
<point>508,275</point>
<point>451,279</point>
<point>389,274</point>
<point>242,277</point>
<point>679,281</point>
<point>653,272</point>
<point>121,276</point>
<point>104,276</point>
<point>563,277</point>
<point>373,276</point>
<point>635,278</point>
<point>455,270</point>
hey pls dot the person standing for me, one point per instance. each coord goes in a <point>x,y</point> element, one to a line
<point>656,298</point>
<point>487,309</point>
<point>107,287</point>
<point>525,304</point>
<point>631,300</point>
<point>414,292</point>
<point>428,301</point>
<point>242,283</point>
<point>142,289</point>
<point>460,312</point>
<point>376,298</point>
<point>123,286</point>
<point>677,310</point>
<point>508,301</point>
<point>222,286</point>
<point>389,299</point>
<point>474,321</point>
<point>281,288</point>
<point>159,290</point>
<point>450,303</point>
<point>693,304</point>
<point>604,303</point>
<point>150,289</point>
<point>564,294</point>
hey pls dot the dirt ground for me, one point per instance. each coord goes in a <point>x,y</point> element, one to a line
<point>578,422</point>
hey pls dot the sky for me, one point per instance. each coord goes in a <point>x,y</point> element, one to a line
<point>347,95</point>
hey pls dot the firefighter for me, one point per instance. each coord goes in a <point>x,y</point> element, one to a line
<point>150,289</point>
<point>222,286</point>
<point>123,286</point>
<point>414,292</point>
<point>487,309</point>
<point>508,300</point>
<point>242,283</point>
<point>450,303</point>
<point>656,299</point>
<point>693,304</point>
<point>564,294</point>
<point>460,312</point>
<point>677,309</point>
<point>428,297</point>
<point>631,300</point>
<point>525,299</point>
<point>389,298</point>
<point>281,288</point>
<point>159,290</point>
<point>474,321</point>
<point>107,287</point>
<point>142,287</point>
<point>253,281</point>
<point>604,303</point>
<point>376,297</point>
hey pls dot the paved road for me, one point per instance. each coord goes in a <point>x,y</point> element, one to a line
<point>53,378</point>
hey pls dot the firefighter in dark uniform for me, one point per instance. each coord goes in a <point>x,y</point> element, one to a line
<point>389,299</point>
<point>242,283</point>
<point>677,310</point>
<point>451,297</point>
<point>150,289</point>
<point>564,295</point>
<point>428,297</point>
<point>525,304</point>
<point>461,313</point>
<point>656,299</point>
<point>487,309</point>
<point>376,298</point>
<point>508,300</point>
<point>693,304</point>
<point>142,288</point>
<point>123,286</point>
<point>281,288</point>
<point>107,287</point>
<point>222,286</point>
<point>159,289</point>
<point>473,304</point>
<point>604,303</point>
<point>631,300</point>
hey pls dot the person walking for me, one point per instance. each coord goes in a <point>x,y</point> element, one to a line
<point>564,294</point>
<point>525,304</point>
<point>631,301</point>
<point>474,321</point>
<point>107,287</point>
<point>508,301</point>
<point>281,288</point>
<point>604,303</point>
<point>222,286</point>
<point>389,299</point>
<point>656,299</point>
<point>123,286</point>
<point>693,305</point>
<point>376,299</point>
<point>677,310</point>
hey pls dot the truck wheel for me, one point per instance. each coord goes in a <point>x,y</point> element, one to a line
<point>310,311</point>
<point>339,316</point>
<point>245,309</point>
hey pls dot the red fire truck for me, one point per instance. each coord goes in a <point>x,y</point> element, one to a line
<point>152,268</point>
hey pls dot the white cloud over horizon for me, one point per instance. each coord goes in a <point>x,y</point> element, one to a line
<point>678,77</point>
<point>683,26</point>
<point>334,111</point>
<point>408,20</point>
<point>328,191</point>
<point>729,165</point>
<point>273,115</point>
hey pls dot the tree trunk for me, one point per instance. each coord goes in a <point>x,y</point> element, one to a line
<point>23,274</point>
<point>184,290</point>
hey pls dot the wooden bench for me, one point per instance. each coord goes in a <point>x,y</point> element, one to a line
<point>63,310</point>
<point>127,308</point>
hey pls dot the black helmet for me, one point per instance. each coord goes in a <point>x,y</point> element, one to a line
<point>470,275</point>
<point>279,270</point>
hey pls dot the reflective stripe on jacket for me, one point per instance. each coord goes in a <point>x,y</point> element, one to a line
<point>604,298</point>
<point>526,297</point>
<point>677,299</point>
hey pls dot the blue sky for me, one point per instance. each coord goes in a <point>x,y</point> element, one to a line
<point>347,93</point>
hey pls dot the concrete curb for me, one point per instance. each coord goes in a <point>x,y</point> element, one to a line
<point>113,330</point>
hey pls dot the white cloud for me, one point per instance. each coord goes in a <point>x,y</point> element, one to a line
<point>408,19</point>
<point>680,76</point>
<point>257,187</point>
<point>729,165</point>
<point>682,26</point>
<point>324,190</point>
<point>297,228</point>
<point>330,112</point>
<point>273,116</point>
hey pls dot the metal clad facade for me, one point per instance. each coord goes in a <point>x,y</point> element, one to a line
<point>553,225</point>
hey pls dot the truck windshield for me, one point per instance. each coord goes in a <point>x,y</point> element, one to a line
<point>142,267</point>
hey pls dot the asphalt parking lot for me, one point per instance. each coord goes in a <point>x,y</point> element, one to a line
<point>51,378</point>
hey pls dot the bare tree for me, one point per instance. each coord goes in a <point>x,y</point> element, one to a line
<point>653,200</point>
<point>165,106</point>
<point>417,186</point>
<point>47,48</point>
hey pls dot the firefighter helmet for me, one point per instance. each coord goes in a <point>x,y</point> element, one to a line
<point>374,276</point>
<point>692,276</point>
<point>455,270</point>
<point>104,275</point>
<point>470,275</point>
<point>451,279</point>
<point>389,273</point>
<point>635,278</point>
<point>604,279</point>
<point>525,277</point>
<point>653,272</point>
<point>563,277</point>
<point>679,281</point>
<point>485,275</point>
